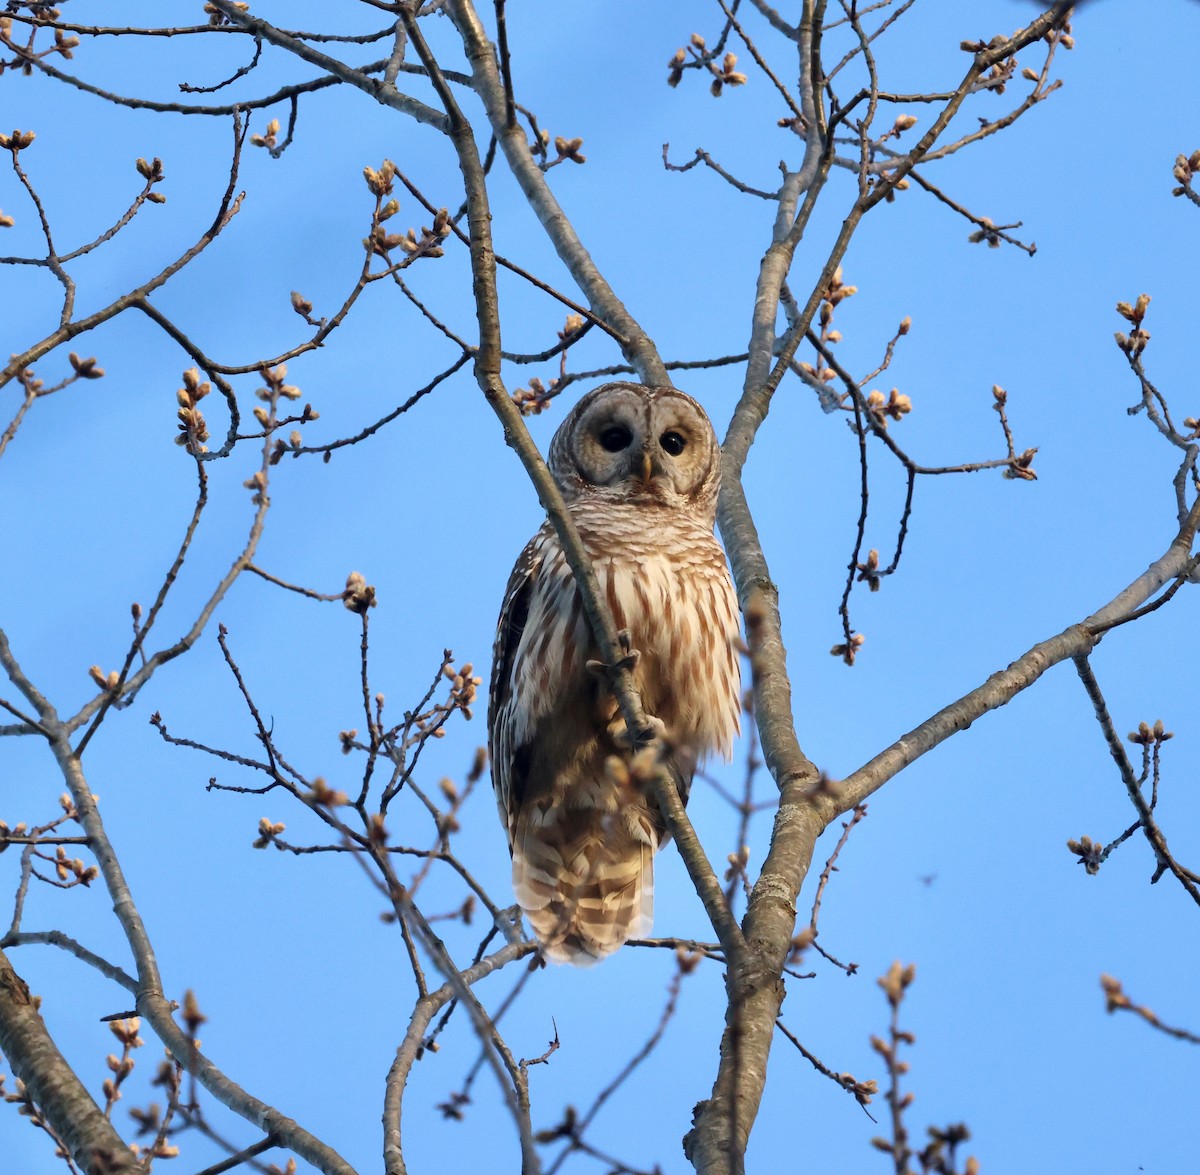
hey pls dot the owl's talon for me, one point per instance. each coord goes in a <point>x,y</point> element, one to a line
<point>618,731</point>
<point>629,661</point>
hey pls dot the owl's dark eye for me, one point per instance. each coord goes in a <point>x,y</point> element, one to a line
<point>673,443</point>
<point>615,437</point>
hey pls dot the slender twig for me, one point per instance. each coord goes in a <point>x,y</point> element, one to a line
<point>1115,999</point>
<point>1158,842</point>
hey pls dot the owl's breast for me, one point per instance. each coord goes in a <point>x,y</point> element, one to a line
<point>678,605</point>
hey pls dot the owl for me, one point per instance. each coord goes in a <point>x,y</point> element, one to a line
<point>639,468</point>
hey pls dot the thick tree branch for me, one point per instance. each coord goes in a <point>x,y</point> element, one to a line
<point>722,1124</point>
<point>1075,641</point>
<point>52,1085</point>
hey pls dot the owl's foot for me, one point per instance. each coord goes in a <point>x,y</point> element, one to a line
<point>629,661</point>
<point>618,731</point>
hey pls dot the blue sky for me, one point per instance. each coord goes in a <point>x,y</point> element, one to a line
<point>306,990</point>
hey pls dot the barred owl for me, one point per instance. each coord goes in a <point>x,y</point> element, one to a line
<point>639,468</point>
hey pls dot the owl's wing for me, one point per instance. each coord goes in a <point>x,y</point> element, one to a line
<point>502,701</point>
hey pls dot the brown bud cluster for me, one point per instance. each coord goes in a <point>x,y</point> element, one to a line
<point>895,406</point>
<point>897,980</point>
<point>30,382</point>
<point>381,242</point>
<point>268,139</point>
<point>837,291</point>
<point>358,595</point>
<point>1001,72</point>
<point>267,832</point>
<point>1020,468</point>
<point>567,1128</point>
<point>74,868</point>
<point>380,182</point>
<point>725,74</point>
<point>799,944</point>
<point>63,44</point>
<point>152,170</point>
<point>1137,311</point>
<point>321,795</point>
<point>1061,35</point>
<point>86,368</point>
<point>192,1016</point>
<point>1114,995</point>
<point>1090,853</point>
<point>573,324</point>
<point>18,830</point>
<point>569,149</point>
<point>17,141</point>
<point>463,687</point>
<point>988,232</point>
<point>823,376</point>
<point>1134,343</point>
<point>1147,735</point>
<point>1184,171</point>
<point>106,681</point>
<point>126,1031</point>
<point>894,185</point>
<point>868,572</point>
<point>737,863</point>
<point>675,68</point>
<point>192,429</point>
<point>478,765</point>
<point>848,652</point>
<point>275,378</point>
<point>535,398</point>
<point>257,484</point>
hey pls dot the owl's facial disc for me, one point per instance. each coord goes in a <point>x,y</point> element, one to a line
<point>637,445</point>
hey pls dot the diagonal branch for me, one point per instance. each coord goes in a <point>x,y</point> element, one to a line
<point>1158,842</point>
<point>487,373</point>
<point>52,1084</point>
<point>636,345</point>
<point>384,92</point>
<point>722,1124</point>
<point>1075,641</point>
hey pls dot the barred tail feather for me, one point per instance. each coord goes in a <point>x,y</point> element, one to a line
<point>585,881</point>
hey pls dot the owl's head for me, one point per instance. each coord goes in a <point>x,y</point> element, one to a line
<point>628,442</point>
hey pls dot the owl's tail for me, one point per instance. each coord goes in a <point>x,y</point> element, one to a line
<point>585,879</point>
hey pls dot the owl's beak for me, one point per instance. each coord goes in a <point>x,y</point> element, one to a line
<point>647,468</point>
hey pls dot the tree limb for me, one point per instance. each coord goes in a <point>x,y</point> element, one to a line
<point>51,1082</point>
